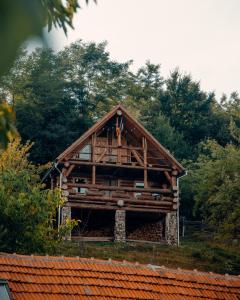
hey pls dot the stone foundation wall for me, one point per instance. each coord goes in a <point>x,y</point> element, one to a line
<point>120,226</point>
<point>66,214</point>
<point>171,228</point>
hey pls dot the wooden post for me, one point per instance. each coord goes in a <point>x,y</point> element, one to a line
<point>144,142</point>
<point>118,129</point>
<point>93,158</point>
<point>119,155</point>
<point>119,138</point>
<point>169,178</point>
<point>94,174</point>
<point>174,177</point>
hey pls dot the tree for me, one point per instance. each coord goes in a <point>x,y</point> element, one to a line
<point>49,111</point>
<point>19,21</point>
<point>232,107</point>
<point>147,93</point>
<point>7,128</point>
<point>57,96</point>
<point>105,82</point>
<point>189,109</point>
<point>25,18</point>
<point>161,129</point>
<point>217,189</point>
<point>26,209</point>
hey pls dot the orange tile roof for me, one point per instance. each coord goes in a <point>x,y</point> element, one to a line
<point>63,278</point>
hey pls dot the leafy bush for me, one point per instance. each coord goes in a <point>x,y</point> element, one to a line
<point>26,209</point>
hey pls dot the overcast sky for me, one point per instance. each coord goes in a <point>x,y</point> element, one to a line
<point>201,37</point>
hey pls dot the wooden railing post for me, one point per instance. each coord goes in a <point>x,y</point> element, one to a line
<point>144,143</point>
<point>93,159</point>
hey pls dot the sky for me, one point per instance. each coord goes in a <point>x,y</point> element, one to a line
<point>201,37</point>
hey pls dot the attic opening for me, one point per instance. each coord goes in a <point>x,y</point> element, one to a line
<point>119,125</point>
<point>145,226</point>
<point>93,223</point>
<point>4,290</point>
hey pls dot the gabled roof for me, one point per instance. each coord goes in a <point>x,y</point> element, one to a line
<point>59,278</point>
<point>98,125</point>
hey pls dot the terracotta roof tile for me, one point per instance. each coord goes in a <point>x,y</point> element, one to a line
<point>50,278</point>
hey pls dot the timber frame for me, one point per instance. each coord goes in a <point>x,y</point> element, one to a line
<point>118,165</point>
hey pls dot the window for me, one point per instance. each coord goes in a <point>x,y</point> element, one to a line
<point>85,153</point>
<point>110,182</point>
<point>4,290</point>
<point>139,185</point>
<point>80,190</point>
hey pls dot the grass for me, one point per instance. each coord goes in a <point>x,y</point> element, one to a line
<point>191,254</point>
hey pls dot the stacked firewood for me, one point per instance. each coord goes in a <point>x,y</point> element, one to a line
<point>149,232</point>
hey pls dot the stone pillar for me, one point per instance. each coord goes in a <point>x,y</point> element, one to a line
<point>120,226</point>
<point>171,228</point>
<point>66,214</point>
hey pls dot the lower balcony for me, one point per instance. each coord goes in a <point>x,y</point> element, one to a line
<point>127,198</point>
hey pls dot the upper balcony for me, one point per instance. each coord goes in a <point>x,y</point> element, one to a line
<point>128,156</point>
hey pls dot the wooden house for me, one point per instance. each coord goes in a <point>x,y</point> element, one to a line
<point>120,182</point>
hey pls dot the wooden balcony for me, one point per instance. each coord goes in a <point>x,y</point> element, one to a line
<point>127,198</point>
<point>124,156</point>
<point>130,165</point>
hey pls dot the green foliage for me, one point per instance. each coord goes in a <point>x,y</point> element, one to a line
<point>104,82</point>
<point>19,21</point>
<point>187,185</point>
<point>160,127</point>
<point>59,13</point>
<point>26,209</point>
<point>7,128</point>
<point>26,18</point>
<point>216,185</point>
<point>56,96</point>
<point>48,107</point>
<point>189,109</point>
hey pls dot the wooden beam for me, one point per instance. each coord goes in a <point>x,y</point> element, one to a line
<point>115,200</point>
<point>123,147</point>
<point>64,171</point>
<point>138,159</point>
<point>128,205</point>
<point>101,155</point>
<point>105,164</point>
<point>169,178</point>
<point>66,164</point>
<point>119,155</point>
<point>93,146</point>
<point>70,169</point>
<point>93,158</point>
<point>93,174</point>
<point>144,142</point>
<point>117,188</point>
<point>145,178</point>
<point>174,181</point>
<point>109,207</point>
